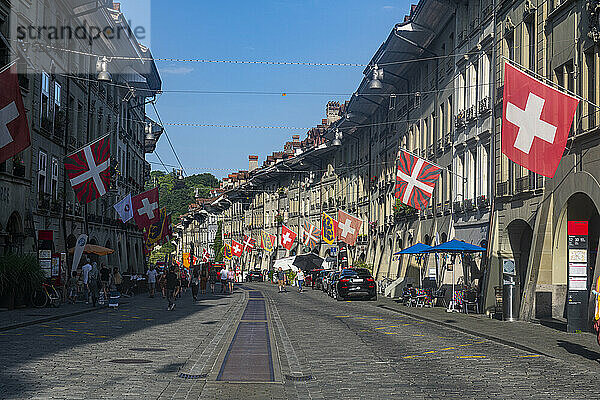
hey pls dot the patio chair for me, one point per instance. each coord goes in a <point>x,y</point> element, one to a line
<point>471,300</point>
<point>439,297</point>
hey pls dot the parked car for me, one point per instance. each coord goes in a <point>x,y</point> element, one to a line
<point>355,282</point>
<point>325,280</point>
<point>331,285</point>
<point>254,276</point>
<point>321,279</point>
<point>314,276</point>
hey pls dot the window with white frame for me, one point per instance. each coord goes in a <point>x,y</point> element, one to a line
<point>42,167</point>
<point>483,172</point>
<point>472,90</point>
<point>54,181</point>
<point>472,173</point>
<point>45,96</point>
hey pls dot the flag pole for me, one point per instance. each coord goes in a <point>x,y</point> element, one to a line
<point>432,163</point>
<point>550,82</point>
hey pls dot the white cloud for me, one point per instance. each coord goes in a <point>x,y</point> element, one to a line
<point>388,7</point>
<point>176,70</point>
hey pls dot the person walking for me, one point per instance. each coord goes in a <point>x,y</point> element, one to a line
<point>231,279</point>
<point>300,278</point>
<point>280,279</point>
<point>171,285</point>
<point>203,279</point>
<point>94,284</point>
<point>104,279</point>
<point>72,285</point>
<point>212,278</point>
<point>116,280</point>
<point>85,273</point>
<point>224,275</point>
<point>151,274</point>
<point>195,283</point>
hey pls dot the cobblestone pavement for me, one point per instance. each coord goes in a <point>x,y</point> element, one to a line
<point>320,349</point>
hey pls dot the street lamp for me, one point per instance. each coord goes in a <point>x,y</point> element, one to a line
<point>102,69</point>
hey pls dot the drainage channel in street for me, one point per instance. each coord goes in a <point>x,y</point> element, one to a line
<point>249,357</point>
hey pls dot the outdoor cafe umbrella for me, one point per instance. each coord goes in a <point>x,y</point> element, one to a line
<point>307,262</point>
<point>94,249</point>
<point>455,247</point>
<point>418,248</point>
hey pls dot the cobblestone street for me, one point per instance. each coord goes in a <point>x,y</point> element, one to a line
<point>312,347</point>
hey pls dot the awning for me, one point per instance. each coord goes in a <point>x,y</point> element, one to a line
<point>286,264</point>
<point>418,248</point>
<point>456,246</point>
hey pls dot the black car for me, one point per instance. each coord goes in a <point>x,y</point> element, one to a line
<point>254,276</point>
<point>331,281</point>
<point>355,282</point>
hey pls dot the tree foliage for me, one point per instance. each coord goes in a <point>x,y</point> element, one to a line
<point>218,244</point>
<point>176,195</point>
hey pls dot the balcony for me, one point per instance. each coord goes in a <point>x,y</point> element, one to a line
<point>44,201</point>
<point>55,206</point>
<point>471,114</point>
<point>458,207</point>
<point>439,210</point>
<point>430,151</point>
<point>502,189</point>
<point>469,205</point>
<point>522,184</point>
<point>485,105</point>
<point>447,207</point>
<point>483,202</point>
<point>460,120</point>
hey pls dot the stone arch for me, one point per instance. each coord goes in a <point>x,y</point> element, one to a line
<point>16,234</point>
<point>520,235</point>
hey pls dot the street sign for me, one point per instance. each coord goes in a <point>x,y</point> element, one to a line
<point>577,294</point>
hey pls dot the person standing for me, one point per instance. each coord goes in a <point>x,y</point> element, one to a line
<point>203,278</point>
<point>104,279</point>
<point>85,273</point>
<point>224,276</point>
<point>117,280</point>
<point>212,278</point>
<point>596,292</point>
<point>280,279</point>
<point>300,278</point>
<point>94,284</point>
<point>231,279</point>
<point>151,274</point>
<point>72,285</point>
<point>195,283</point>
<point>171,286</point>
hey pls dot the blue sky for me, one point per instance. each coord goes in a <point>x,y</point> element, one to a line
<point>283,30</point>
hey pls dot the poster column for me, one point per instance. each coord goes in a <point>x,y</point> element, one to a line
<point>577,290</point>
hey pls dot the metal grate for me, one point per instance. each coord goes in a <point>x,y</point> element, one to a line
<point>130,361</point>
<point>296,378</point>
<point>191,376</point>
<point>147,349</point>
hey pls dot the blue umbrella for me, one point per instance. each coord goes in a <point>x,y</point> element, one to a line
<point>455,246</point>
<point>418,248</point>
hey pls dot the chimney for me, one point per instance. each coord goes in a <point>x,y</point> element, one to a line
<point>253,163</point>
<point>296,138</point>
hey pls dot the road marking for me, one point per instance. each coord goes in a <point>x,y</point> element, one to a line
<point>377,319</point>
<point>394,326</point>
<point>104,337</point>
<point>471,356</point>
<point>418,335</point>
<point>430,352</point>
<point>410,356</point>
<point>148,319</point>
<point>381,327</point>
<point>88,333</point>
<point>71,330</point>
<point>359,317</point>
<point>448,348</point>
<point>364,330</point>
<point>54,335</point>
<point>390,333</point>
<point>342,316</point>
<point>58,327</point>
<point>80,322</point>
<point>530,356</point>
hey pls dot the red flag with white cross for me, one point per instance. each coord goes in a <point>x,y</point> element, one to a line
<point>415,180</point>
<point>288,237</point>
<point>88,170</point>
<point>249,243</point>
<point>236,248</point>
<point>14,130</point>
<point>348,227</point>
<point>536,120</point>
<point>145,208</point>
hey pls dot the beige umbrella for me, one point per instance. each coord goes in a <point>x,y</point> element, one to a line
<point>94,249</point>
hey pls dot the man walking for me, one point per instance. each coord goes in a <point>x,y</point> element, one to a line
<point>172,283</point>
<point>280,279</point>
<point>152,280</point>
<point>300,277</point>
<point>85,272</point>
<point>224,277</point>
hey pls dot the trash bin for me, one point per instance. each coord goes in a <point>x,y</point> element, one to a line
<point>509,301</point>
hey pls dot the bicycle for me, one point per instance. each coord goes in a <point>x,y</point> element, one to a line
<point>46,295</point>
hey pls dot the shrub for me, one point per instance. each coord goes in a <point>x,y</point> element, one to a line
<point>20,275</point>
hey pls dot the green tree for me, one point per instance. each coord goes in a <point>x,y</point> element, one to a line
<point>218,244</point>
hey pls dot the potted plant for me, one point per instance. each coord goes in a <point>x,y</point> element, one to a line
<point>20,275</point>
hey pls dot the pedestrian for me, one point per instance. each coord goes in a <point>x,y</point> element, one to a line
<point>212,278</point>
<point>104,279</point>
<point>300,278</point>
<point>162,282</point>
<point>280,279</point>
<point>231,279</point>
<point>85,273</point>
<point>94,284</point>
<point>224,275</point>
<point>151,274</point>
<point>72,285</point>
<point>195,284</point>
<point>596,292</point>
<point>117,280</point>
<point>172,283</point>
<point>203,279</point>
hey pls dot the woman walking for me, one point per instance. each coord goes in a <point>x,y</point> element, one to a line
<point>195,283</point>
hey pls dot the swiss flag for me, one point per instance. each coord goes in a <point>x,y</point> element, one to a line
<point>88,170</point>
<point>415,180</point>
<point>288,237</point>
<point>14,130</point>
<point>145,208</point>
<point>536,120</point>
<point>348,227</point>
<point>236,248</point>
